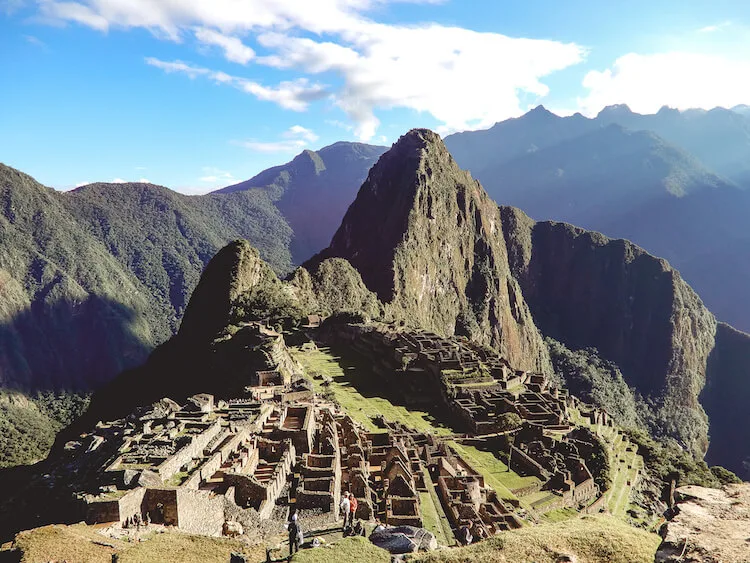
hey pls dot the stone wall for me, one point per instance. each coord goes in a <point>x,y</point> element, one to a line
<point>194,449</point>
<point>167,498</point>
<point>200,512</point>
<point>102,511</point>
<point>116,510</point>
<point>131,503</point>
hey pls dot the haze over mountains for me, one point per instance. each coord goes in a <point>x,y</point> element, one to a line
<point>673,182</point>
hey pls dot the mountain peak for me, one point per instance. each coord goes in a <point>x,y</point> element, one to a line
<point>616,110</point>
<point>540,112</point>
<point>426,239</point>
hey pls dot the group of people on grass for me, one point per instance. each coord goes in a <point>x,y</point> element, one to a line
<point>348,509</point>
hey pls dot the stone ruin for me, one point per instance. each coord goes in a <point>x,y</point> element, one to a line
<point>281,448</point>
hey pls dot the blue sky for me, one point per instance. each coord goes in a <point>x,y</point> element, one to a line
<point>199,94</point>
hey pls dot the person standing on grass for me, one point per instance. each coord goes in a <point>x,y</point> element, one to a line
<point>352,508</point>
<point>344,507</point>
<point>294,534</point>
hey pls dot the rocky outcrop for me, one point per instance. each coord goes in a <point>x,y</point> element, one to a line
<point>711,526</point>
<point>235,269</point>
<point>334,286</point>
<point>587,290</point>
<point>426,239</point>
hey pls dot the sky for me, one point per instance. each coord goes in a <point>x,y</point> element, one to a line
<point>200,94</point>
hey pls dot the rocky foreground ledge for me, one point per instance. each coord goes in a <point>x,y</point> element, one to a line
<point>711,526</point>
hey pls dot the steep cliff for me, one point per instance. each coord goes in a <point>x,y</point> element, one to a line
<point>587,290</point>
<point>426,239</point>
<point>726,398</point>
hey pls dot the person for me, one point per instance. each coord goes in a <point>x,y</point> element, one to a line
<point>352,508</point>
<point>465,535</point>
<point>344,507</point>
<point>295,534</point>
<point>359,529</point>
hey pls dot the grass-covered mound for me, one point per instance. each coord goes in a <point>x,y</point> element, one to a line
<point>591,539</point>
<point>81,543</point>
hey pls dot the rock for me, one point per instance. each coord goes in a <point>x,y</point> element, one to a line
<point>585,289</point>
<point>236,268</point>
<point>403,539</point>
<point>232,529</point>
<point>149,479</point>
<point>711,525</point>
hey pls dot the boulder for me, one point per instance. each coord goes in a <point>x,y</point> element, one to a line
<point>403,539</point>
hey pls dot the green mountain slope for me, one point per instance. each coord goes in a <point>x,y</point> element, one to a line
<point>314,190</point>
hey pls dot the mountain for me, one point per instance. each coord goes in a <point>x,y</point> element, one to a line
<point>657,183</point>
<point>439,253</point>
<point>423,245</point>
<point>424,236</point>
<point>70,315</point>
<point>313,191</point>
<point>719,138</point>
<point>595,178</point>
<point>587,290</point>
<point>165,238</point>
<point>94,278</point>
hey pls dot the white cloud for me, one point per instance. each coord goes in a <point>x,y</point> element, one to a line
<point>74,12</point>
<point>677,79</point>
<point>234,49</point>
<point>463,78</point>
<point>295,95</point>
<point>33,40</point>
<point>145,181</point>
<point>79,184</point>
<point>214,175</point>
<point>715,27</point>
<point>118,181</point>
<point>297,131</point>
<point>295,139</point>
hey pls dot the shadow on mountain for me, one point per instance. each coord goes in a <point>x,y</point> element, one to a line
<point>726,397</point>
<point>70,344</point>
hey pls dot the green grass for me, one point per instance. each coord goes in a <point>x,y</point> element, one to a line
<point>590,539</point>
<point>434,516</point>
<point>559,515</point>
<point>357,390</point>
<point>618,495</point>
<point>82,543</point>
<point>348,549</point>
<point>495,472</point>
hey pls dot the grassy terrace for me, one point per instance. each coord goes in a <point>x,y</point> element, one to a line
<point>433,515</point>
<point>590,538</point>
<point>356,388</point>
<point>625,463</point>
<point>82,543</point>
<point>495,472</point>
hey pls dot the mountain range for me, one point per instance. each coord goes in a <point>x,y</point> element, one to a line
<point>424,246</point>
<point>94,279</point>
<point>675,183</point>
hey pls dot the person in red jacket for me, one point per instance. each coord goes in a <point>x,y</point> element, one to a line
<point>352,508</point>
